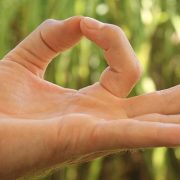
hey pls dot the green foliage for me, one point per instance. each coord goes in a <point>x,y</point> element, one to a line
<point>153,28</point>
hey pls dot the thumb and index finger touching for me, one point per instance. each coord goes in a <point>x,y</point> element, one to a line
<point>54,36</point>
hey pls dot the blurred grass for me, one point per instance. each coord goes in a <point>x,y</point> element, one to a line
<point>153,28</point>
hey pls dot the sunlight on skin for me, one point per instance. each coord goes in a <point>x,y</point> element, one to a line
<point>48,125</point>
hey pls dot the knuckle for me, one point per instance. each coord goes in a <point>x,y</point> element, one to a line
<point>136,72</point>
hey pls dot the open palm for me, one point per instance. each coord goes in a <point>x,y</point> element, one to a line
<point>93,121</point>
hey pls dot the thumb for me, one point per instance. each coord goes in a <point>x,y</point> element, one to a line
<point>45,42</point>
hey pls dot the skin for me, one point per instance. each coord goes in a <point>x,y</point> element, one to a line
<point>43,125</point>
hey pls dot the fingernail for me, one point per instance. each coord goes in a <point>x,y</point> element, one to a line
<point>92,23</point>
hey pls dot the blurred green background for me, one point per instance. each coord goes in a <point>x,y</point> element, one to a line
<point>153,28</point>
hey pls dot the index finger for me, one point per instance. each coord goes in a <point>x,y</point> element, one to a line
<point>124,70</point>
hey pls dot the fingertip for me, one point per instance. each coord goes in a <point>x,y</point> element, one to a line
<point>62,34</point>
<point>90,23</point>
<point>83,27</point>
<point>74,19</point>
<point>73,24</point>
<point>92,29</point>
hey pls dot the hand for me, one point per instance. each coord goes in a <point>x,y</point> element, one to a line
<point>45,124</point>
